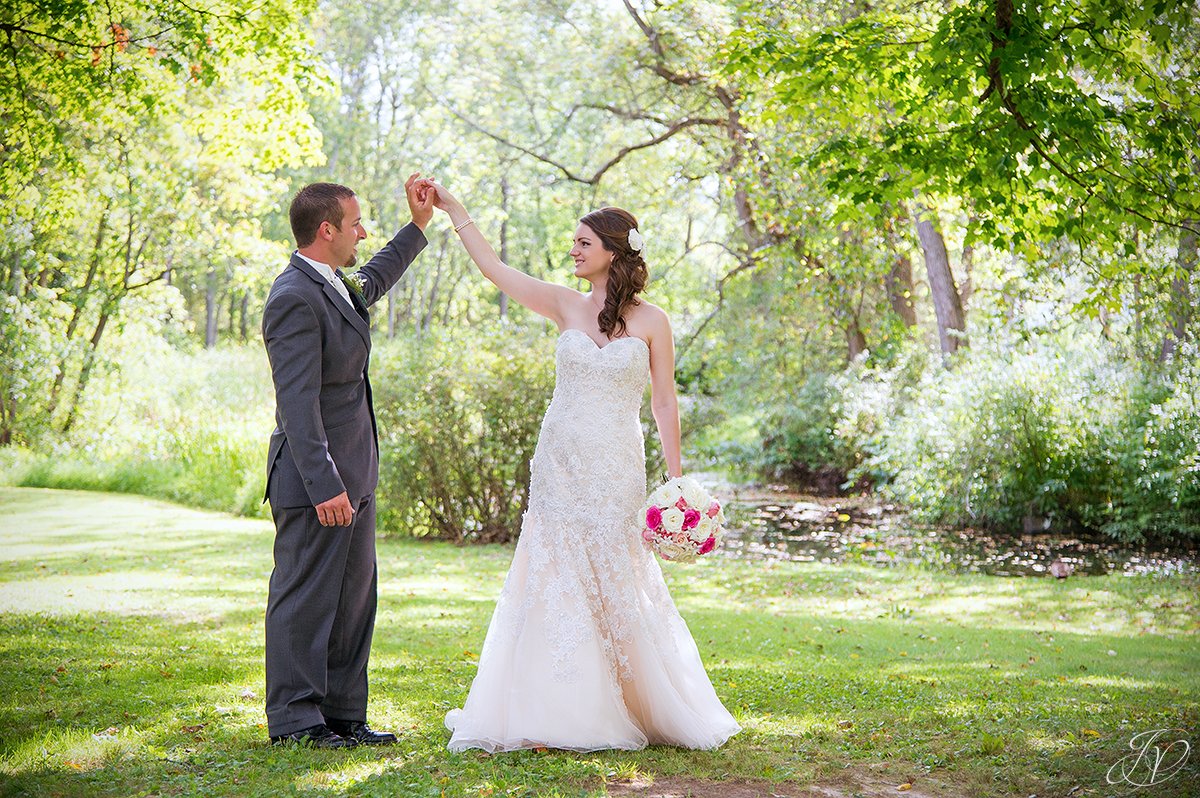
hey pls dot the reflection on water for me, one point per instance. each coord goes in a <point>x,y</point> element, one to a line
<point>832,530</point>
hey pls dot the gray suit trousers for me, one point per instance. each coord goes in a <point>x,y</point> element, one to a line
<point>320,616</point>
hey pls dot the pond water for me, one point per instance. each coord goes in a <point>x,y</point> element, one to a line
<point>782,526</point>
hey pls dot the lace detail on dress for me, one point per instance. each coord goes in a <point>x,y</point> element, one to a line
<point>584,605</point>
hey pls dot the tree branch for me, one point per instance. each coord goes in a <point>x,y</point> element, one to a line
<point>749,261</point>
<point>595,178</point>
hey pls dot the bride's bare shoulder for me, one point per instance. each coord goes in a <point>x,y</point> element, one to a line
<point>650,314</point>
<point>648,321</point>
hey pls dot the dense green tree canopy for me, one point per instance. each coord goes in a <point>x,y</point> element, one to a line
<point>857,214</point>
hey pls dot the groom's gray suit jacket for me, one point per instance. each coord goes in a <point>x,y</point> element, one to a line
<point>325,440</point>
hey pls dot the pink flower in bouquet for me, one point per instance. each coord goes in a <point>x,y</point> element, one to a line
<point>714,508</point>
<point>653,517</point>
<point>707,545</point>
<point>682,503</point>
<point>679,538</point>
<point>691,518</point>
<point>648,535</point>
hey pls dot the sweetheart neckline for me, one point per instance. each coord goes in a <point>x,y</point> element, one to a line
<point>606,346</point>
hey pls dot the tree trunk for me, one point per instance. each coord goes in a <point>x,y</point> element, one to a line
<point>856,342</point>
<point>244,324</point>
<point>8,413</point>
<point>899,285</point>
<point>80,302</point>
<point>1179,309</point>
<point>846,316</point>
<point>89,361</point>
<point>393,295</point>
<point>16,280</point>
<point>431,303</point>
<point>210,310</point>
<point>968,286</point>
<point>504,193</point>
<point>947,303</point>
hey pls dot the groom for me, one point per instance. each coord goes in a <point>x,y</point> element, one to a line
<point>323,465</point>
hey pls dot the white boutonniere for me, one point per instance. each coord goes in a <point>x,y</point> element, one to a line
<point>355,282</point>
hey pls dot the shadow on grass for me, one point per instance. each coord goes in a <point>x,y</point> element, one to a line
<point>148,677</point>
<point>113,704</point>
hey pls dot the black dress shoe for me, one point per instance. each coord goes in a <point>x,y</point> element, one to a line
<point>360,732</point>
<point>319,736</point>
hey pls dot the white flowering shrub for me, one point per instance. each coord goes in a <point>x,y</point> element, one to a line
<point>28,364</point>
<point>1068,431</point>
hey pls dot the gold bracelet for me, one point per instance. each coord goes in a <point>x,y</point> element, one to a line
<point>459,227</point>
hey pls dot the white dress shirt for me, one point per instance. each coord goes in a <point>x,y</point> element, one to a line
<point>326,271</point>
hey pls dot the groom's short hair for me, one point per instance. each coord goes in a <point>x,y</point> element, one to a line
<point>313,204</point>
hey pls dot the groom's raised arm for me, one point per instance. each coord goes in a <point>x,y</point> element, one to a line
<point>389,263</point>
<point>293,339</point>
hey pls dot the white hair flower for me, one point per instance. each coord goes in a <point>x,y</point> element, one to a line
<point>636,242</point>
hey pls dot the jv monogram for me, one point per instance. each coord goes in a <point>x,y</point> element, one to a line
<point>1151,761</point>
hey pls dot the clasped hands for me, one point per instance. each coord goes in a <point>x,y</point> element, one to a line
<point>425,194</point>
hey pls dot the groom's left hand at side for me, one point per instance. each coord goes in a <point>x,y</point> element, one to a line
<point>336,511</point>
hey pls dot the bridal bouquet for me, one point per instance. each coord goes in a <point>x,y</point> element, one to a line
<point>682,520</point>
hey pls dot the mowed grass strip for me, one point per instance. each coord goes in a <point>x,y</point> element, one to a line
<point>131,642</point>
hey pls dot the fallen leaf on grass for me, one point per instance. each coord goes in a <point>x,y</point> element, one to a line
<point>845,724</point>
<point>1090,733</point>
<point>192,729</point>
<point>905,787</point>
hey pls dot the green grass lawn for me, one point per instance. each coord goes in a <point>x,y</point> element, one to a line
<point>131,638</point>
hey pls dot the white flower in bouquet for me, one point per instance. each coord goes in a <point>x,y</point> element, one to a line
<point>695,496</point>
<point>672,520</point>
<point>704,530</point>
<point>669,493</point>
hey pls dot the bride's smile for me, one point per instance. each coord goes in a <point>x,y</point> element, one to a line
<point>591,259</point>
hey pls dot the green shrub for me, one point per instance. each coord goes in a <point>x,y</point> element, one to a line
<point>799,443</point>
<point>190,427</point>
<point>459,413</point>
<point>1157,494</point>
<point>1066,431</point>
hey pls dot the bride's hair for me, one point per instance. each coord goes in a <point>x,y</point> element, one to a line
<point>628,275</point>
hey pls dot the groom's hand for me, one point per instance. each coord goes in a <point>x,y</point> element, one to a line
<point>336,511</point>
<point>420,199</point>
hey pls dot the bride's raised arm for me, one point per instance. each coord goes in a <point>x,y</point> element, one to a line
<point>545,299</point>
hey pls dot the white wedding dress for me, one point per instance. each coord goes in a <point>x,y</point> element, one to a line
<point>586,650</point>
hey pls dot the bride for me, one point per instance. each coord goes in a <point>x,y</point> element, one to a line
<point>586,650</point>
